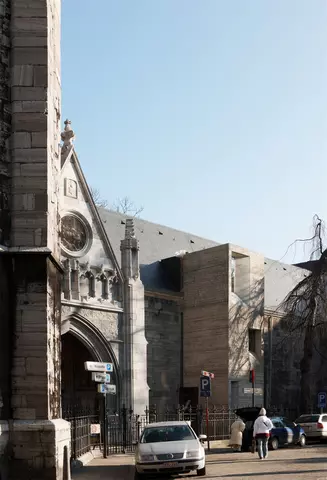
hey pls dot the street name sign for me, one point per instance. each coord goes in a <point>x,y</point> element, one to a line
<point>107,388</point>
<point>205,386</point>
<point>257,391</point>
<point>322,400</point>
<point>101,377</point>
<point>98,367</point>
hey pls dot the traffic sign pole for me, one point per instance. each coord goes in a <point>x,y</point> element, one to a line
<point>207,421</point>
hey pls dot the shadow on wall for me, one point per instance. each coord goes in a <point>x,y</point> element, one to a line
<point>163,334</point>
<point>244,315</point>
<point>286,353</point>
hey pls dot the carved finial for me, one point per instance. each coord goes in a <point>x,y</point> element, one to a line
<point>68,135</point>
<point>129,228</point>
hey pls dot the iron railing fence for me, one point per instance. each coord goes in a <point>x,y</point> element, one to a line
<point>86,431</point>
<point>124,427</point>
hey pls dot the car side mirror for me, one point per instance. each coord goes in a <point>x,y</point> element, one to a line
<point>202,438</point>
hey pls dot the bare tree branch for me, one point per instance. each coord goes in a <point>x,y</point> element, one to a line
<point>97,198</point>
<point>126,206</point>
<point>306,309</point>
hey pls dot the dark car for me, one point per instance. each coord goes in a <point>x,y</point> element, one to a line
<point>284,432</point>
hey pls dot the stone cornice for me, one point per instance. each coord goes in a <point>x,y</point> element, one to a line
<point>108,308</point>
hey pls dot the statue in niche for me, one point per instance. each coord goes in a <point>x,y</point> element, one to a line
<point>84,287</point>
<point>103,278</point>
<point>115,286</point>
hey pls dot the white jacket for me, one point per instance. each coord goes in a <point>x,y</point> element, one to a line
<point>262,425</point>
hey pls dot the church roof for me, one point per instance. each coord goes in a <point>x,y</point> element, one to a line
<point>158,242</point>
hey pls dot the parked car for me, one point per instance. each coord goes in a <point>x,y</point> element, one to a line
<point>314,425</point>
<point>169,447</point>
<point>284,432</point>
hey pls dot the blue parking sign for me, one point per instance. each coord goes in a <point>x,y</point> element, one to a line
<point>322,400</point>
<point>205,386</point>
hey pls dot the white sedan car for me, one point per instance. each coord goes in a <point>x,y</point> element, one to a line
<point>169,447</point>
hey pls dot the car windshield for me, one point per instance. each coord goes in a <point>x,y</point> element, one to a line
<point>172,433</point>
<point>307,419</point>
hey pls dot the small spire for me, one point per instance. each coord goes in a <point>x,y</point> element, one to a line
<point>129,228</point>
<point>68,135</point>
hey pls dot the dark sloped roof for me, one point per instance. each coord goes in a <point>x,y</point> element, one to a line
<point>158,242</point>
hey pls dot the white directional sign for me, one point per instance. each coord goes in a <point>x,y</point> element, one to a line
<point>257,391</point>
<point>98,367</point>
<point>107,388</point>
<point>101,377</point>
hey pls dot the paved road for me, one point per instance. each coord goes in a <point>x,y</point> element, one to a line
<point>285,464</point>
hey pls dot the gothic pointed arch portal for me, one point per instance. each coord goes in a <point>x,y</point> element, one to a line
<point>82,342</point>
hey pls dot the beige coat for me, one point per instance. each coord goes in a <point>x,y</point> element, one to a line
<point>237,430</point>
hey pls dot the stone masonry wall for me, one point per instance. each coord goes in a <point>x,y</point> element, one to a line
<point>35,162</point>
<point>206,319</point>
<point>5,122</point>
<point>283,364</point>
<point>164,336</point>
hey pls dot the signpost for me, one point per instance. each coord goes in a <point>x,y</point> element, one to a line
<point>107,388</point>
<point>205,391</point>
<point>101,373</point>
<point>101,377</point>
<point>322,397</point>
<point>98,367</point>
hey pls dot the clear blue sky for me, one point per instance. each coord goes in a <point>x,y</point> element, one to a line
<point>212,114</point>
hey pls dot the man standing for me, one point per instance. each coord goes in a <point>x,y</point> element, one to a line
<point>261,433</point>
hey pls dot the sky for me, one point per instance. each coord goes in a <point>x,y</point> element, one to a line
<point>211,114</point>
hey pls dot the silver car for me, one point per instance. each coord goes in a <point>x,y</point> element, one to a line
<point>169,447</point>
<point>314,425</point>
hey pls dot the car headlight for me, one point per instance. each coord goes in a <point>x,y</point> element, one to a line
<point>146,458</point>
<point>192,454</point>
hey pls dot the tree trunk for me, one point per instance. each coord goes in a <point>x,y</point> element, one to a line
<point>305,367</point>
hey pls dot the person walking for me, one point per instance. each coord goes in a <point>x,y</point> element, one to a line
<point>261,433</point>
<point>237,429</point>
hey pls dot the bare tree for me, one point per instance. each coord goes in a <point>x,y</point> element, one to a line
<point>98,199</point>
<point>126,206</point>
<point>306,310</point>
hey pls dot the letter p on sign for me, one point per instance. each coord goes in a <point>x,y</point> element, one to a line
<point>205,386</point>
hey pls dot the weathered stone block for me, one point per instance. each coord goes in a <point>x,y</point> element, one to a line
<point>29,25</point>
<point>29,106</point>
<point>22,75</point>
<point>25,413</point>
<point>30,155</point>
<point>40,76</point>
<point>20,140</point>
<point>39,140</point>
<point>29,122</point>
<point>28,93</point>
<point>30,41</point>
<point>30,55</point>
<point>35,170</point>
<point>35,367</point>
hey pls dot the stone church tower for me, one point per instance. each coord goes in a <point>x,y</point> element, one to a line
<point>37,439</point>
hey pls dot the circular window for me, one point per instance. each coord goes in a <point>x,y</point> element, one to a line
<point>74,234</point>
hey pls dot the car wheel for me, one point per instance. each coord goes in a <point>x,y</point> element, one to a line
<point>302,441</point>
<point>201,472</point>
<point>274,443</point>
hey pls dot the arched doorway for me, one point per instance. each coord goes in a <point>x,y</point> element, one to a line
<point>82,342</point>
<point>77,389</point>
